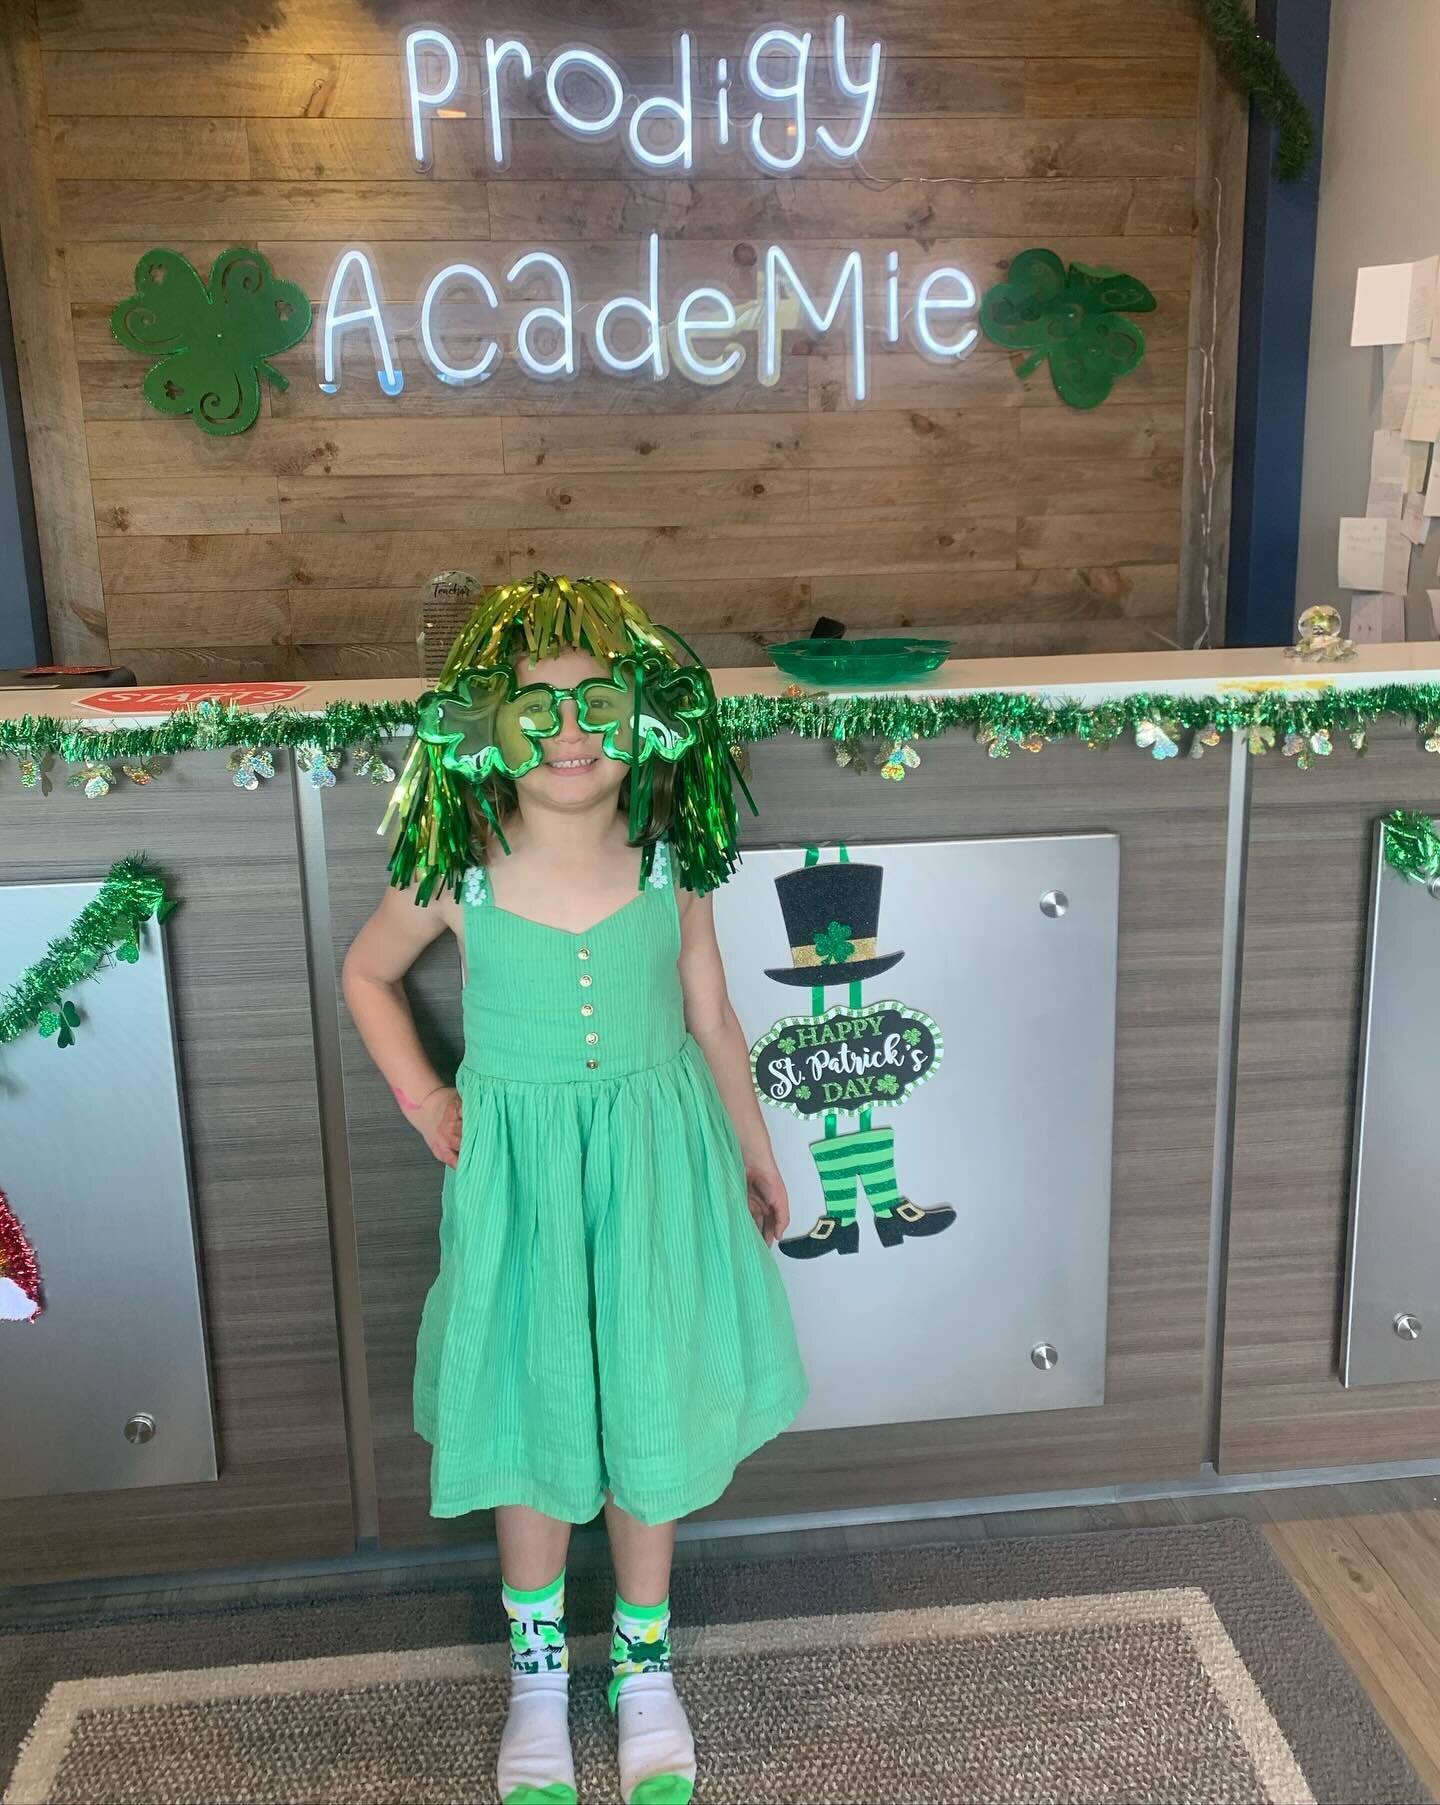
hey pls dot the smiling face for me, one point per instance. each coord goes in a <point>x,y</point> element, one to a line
<point>573,775</point>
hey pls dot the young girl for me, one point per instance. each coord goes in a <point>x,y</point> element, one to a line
<point>607,1329</point>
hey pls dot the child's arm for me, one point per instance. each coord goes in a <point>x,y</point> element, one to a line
<point>380,955</point>
<point>716,1028</point>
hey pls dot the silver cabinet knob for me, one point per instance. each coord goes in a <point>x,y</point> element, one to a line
<point>1044,1356</point>
<point>1408,1327</point>
<point>1054,903</point>
<point>140,1428</point>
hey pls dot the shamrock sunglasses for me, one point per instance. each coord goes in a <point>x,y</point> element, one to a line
<point>484,724</point>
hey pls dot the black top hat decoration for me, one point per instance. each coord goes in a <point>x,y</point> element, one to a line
<point>832,917</point>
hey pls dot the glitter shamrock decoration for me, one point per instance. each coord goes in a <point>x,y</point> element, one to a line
<point>1002,741</point>
<point>94,779</point>
<point>902,759</point>
<point>319,763</point>
<point>852,755</point>
<point>212,341</point>
<point>1305,748</point>
<point>366,761</point>
<point>833,944</point>
<point>1159,738</point>
<point>1259,738</point>
<point>61,1019</point>
<point>1073,317</point>
<point>1205,738</point>
<point>1430,733</point>
<point>34,768</point>
<point>249,764</point>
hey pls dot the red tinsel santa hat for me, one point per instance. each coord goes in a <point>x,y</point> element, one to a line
<point>19,1274</point>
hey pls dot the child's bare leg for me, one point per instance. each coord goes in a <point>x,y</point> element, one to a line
<point>657,1751</point>
<point>535,1761</point>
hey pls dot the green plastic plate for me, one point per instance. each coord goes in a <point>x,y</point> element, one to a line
<point>839,663</point>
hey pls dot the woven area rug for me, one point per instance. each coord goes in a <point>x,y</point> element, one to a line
<point>1174,1664</point>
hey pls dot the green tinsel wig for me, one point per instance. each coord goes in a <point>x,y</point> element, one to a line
<point>480,729</point>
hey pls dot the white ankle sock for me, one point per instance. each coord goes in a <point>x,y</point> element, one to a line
<point>657,1751</point>
<point>536,1766</point>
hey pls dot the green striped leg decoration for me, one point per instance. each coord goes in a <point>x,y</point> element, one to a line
<point>850,1163</point>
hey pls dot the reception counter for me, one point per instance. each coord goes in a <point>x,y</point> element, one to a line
<point>1211,1065</point>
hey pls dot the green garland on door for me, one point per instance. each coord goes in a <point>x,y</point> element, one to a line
<point>110,926</point>
<point>1252,60</point>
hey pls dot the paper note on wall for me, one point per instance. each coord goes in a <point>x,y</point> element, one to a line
<point>1389,469</point>
<point>1432,489</point>
<point>1377,618</point>
<point>1434,595</point>
<point>1394,302</point>
<point>1374,555</point>
<point>1413,521</point>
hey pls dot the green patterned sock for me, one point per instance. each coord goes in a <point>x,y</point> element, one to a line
<point>657,1751</point>
<point>535,1765</point>
<point>537,1628</point>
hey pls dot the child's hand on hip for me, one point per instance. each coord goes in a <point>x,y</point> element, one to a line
<point>437,1120</point>
<point>767,1200</point>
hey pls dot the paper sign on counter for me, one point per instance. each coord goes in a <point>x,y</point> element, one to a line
<point>1376,618</point>
<point>1374,555</point>
<point>1394,302</point>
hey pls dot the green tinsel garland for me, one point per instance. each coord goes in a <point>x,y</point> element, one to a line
<point>887,716</point>
<point>111,923</point>
<point>1412,846</point>
<point>1251,59</point>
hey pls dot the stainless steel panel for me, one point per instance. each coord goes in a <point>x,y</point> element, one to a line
<point>1010,947</point>
<point>92,1157</point>
<point>1391,1327</point>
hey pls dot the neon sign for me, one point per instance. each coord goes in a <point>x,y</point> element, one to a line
<point>696,335</point>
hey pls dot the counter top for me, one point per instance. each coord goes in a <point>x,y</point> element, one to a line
<point>1085,679</point>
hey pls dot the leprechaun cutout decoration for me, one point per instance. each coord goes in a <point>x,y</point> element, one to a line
<point>846,1060</point>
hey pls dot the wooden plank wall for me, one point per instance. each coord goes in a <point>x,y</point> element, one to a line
<point>961,501</point>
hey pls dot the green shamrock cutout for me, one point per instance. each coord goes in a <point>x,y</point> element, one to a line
<point>62,1019</point>
<point>1073,317</point>
<point>485,724</point>
<point>833,944</point>
<point>212,341</point>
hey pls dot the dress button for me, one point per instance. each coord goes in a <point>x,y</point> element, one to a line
<point>591,1040</point>
<point>591,1064</point>
<point>587,981</point>
<point>584,952</point>
<point>587,1009</point>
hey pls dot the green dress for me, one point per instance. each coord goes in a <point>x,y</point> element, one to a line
<point>606,1315</point>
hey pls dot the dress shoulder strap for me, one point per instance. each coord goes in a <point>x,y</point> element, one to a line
<point>659,878</point>
<point>475,887</point>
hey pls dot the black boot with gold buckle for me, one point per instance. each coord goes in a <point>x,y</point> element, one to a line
<point>908,1220</point>
<point>829,1235</point>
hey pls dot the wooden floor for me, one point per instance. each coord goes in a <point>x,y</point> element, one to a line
<point>1367,1556</point>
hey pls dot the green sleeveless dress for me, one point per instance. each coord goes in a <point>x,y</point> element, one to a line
<point>606,1315</point>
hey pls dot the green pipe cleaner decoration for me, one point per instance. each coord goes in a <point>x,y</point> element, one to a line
<point>1412,846</point>
<point>1251,59</point>
<point>111,923</point>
